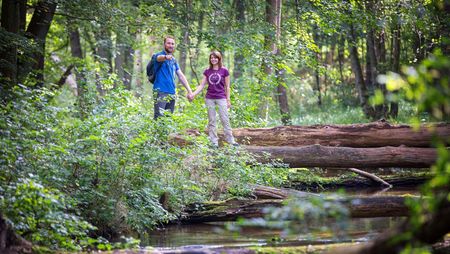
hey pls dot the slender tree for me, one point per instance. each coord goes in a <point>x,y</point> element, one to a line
<point>239,6</point>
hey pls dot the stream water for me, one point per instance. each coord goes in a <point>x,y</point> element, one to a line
<point>323,232</point>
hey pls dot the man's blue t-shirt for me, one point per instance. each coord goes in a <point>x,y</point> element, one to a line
<point>165,78</point>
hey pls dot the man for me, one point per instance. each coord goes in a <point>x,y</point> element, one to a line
<point>164,86</point>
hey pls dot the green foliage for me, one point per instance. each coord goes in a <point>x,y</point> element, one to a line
<point>42,216</point>
<point>113,166</point>
<point>427,85</point>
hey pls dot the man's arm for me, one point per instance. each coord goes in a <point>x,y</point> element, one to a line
<point>184,81</point>
<point>162,58</point>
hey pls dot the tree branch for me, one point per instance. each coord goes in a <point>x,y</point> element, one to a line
<point>370,176</point>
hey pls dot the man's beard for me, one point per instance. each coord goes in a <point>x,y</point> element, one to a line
<point>169,50</point>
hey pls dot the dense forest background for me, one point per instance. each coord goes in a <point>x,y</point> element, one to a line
<point>81,157</point>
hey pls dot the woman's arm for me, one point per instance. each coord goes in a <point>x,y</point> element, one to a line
<point>200,88</point>
<point>227,90</point>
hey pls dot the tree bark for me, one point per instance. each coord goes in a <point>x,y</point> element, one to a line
<point>357,70</point>
<point>103,52</point>
<point>370,176</point>
<point>341,46</point>
<point>317,56</point>
<point>281,87</point>
<point>358,182</point>
<point>38,30</point>
<point>10,242</point>
<point>393,112</point>
<point>371,70</point>
<point>139,70</point>
<point>355,135</point>
<point>282,99</point>
<point>22,14</point>
<point>265,192</point>
<point>66,74</point>
<point>183,50</point>
<point>368,207</point>
<point>10,21</point>
<point>346,157</point>
<point>238,56</point>
<point>76,51</point>
<point>128,66</point>
<point>119,59</point>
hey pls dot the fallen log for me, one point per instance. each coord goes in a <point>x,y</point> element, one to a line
<point>266,192</point>
<point>347,157</point>
<point>376,134</point>
<point>362,207</point>
<point>356,182</point>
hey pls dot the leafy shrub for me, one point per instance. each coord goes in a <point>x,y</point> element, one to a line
<point>41,215</point>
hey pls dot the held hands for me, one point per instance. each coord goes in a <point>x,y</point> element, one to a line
<point>190,96</point>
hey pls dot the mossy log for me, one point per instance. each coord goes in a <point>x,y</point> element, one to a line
<point>266,192</point>
<point>376,134</point>
<point>356,182</point>
<point>361,207</point>
<point>347,157</point>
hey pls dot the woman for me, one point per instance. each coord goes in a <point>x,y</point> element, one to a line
<point>218,94</point>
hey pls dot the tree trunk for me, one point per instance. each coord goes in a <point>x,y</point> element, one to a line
<point>38,30</point>
<point>22,15</point>
<point>183,50</point>
<point>65,75</point>
<point>238,56</point>
<point>282,92</point>
<point>357,70</point>
<point>76,51</point>
<point>138,75</point>
<point>371,73</point>
<point>418,45</point>
<point>282,99</point>
<point>368,207</point>
<point>119,59</point>
<point>10,21</point>
<point>10,242</point>
<point>103,52</point>
<point>395,60</point>
<point>346,157</point>
<point>317,78</point>
<point>355,135</point>
<point>341,46</point>
<point>124,60</point>
<point>128,66</point>
<point>274,18</point>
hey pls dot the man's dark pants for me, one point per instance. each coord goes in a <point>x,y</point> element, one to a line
<point>163,103</point>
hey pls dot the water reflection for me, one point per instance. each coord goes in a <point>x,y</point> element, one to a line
<point>215,234</point>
